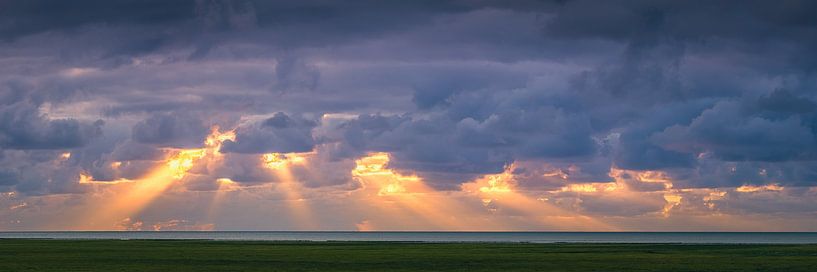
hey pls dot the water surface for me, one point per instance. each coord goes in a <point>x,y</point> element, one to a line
<point>529,237</point>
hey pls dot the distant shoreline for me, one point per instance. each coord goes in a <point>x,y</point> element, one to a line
<point>432,237</point>
<point>413,242</point>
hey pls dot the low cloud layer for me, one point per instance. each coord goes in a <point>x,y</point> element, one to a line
<point>713,95</point>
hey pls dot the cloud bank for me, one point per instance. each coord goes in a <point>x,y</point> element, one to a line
<point>679,104</point>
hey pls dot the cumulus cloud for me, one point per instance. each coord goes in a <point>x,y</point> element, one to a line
<point>467,147</point>
<point>279,133</point>
<point>734,136</point>
<point>176,130</point>
<point>23,126</point>
<point>563,91</point>
<point>451,112</point>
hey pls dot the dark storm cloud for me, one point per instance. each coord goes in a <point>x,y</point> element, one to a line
<point>467,147</point>
<point>715,93</point>
<point>22,18</point>
<point>7,178</point>
<point>171,130</point>
<point>208,24</point>
<point>280,133</point>
<point>22,126</point>
<point>688,19</point>
<point>733,136</point>
<point>39,172</point>
<point>132,151</point>
<point>634,149</point>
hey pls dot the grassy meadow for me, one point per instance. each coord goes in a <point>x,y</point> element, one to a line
<point>198,255</point>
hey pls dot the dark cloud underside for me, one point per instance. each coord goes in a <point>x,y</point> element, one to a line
<point>715,93</point>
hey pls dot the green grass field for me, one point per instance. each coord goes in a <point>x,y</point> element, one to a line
<point>154,255</point>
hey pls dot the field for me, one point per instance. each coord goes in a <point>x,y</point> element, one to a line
<point>178,255</point>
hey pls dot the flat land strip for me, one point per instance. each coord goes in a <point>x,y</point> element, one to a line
<point>199,255</point>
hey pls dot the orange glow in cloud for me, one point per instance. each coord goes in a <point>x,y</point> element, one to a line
<point>651,176</point>
<point>283,160</point>
<point>392,200</point>
<point>373,173</point>
<point>590,187</point>
<point>216,137</point>
<point>641,176</point>
<point>496,184</point>
<point>179,164</point>
<point>388,182</point>
<point>225,186</point>
<point>281,164</point>
<point>764,188</point>
<point>672,197</point>
<point>498,192</point>
<point>673,200</point>
<point>129,199</point>
<point>87,179</point>
<point>679,201</point>
<point>712,196</point>
<point>406,198</point>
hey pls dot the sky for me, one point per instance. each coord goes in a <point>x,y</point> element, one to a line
<point>408,115</point>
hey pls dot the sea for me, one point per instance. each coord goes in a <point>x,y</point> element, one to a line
<point>434,237</point>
